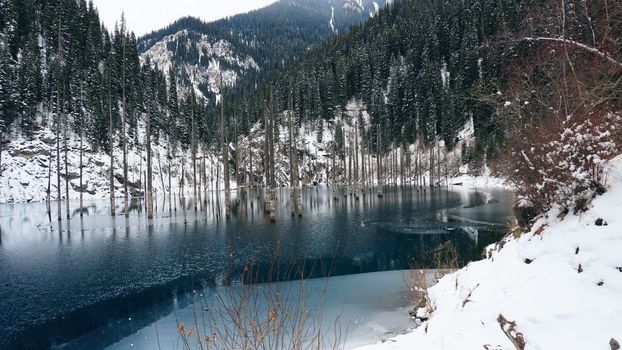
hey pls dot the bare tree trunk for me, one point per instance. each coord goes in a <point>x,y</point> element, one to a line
<point>81,153</point>
<point>379,161</point>
<point>272,186</point>
<point>149,170</point>
<point>59,118</point>
<point>1,139</point>
<point>161,176</point>
<point>124,139</point>
<point>81,163</point>
<point>334,170</point>
<point>225,153</point>
<point>248,168</point>
<point>432,164</point>
<point>170,175</point>
<point>363,164</point>
<point>438,163</point>
<point>194,160</point>
<point>112,199</point>
<point>356,162</point>
<point>237,161</point>
<point>65,146</point>
<point>370,165</point>
<point>49,189</point>
<point>204,168</point>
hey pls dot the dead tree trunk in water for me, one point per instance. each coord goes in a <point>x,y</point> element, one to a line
<point>1,138</point>
<point>432,164</point>
<point>170,175</point>
<point>59,116</point>
<point>81,155</point>
<point>363,163</point>
<point>225,153</point>
<point>238,166</point>
<point>204,168</point>
<point>161,177</point>
<point>270,178</point>
<point>49,189</point>
<point>126,209</point>
<point>194,157</point>
<point>379,163</point>
<point>293,159</point>
<point>149,170</point>
<point>66,146</point>
<point>334,166</point>
<point>438,163</point>
<point>111,131</point>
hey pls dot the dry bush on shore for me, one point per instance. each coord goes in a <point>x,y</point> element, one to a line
<point>560,105</point>
<point>263,316</point>
<point>445,261</point>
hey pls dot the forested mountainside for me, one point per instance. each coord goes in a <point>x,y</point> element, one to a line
<point>424,68</point>
<point>61,69</point>
<point>92,75</point>
<point>417,72</point>
<point>415,65</point>
<point>247,48</point>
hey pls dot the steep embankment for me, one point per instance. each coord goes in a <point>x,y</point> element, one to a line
<point>560,283</point>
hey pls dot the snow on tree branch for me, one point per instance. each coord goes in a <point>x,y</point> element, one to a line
<point>578,45</point>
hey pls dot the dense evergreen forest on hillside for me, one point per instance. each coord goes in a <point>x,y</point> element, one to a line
<point>423,68</point>
<point>265,40</point>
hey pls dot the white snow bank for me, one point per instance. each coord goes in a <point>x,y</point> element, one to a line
<point>553,304</point>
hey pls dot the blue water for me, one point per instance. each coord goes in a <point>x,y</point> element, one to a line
<point>96,280</point>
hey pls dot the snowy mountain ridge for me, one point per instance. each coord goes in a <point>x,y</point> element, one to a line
<point>211,59</point>
<point>248,47</point>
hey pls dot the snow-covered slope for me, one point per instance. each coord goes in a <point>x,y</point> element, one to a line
<point>25,169</point>
<point>25,163</point>
<point>248,47</point>
<point>560,283</point>
<point>206,60</point>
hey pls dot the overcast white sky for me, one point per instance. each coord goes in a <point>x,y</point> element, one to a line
<point>144,16</point>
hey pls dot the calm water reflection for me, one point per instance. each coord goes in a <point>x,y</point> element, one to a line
<point>61,281</point>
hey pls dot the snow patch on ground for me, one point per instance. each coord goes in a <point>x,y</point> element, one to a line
<point>25,162</point>
<point>25,169</point>
<point>561,283</point>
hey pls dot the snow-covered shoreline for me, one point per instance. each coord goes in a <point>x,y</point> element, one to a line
<point>560,283</point>
<point>25,163</point>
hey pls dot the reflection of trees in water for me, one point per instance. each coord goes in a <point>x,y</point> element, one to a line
<point>146,267</point>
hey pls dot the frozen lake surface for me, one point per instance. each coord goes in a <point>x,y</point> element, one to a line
<point>107,281</point>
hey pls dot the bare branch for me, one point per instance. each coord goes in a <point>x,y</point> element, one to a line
<point>578,45</point>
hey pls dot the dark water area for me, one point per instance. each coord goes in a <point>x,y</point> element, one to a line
<point>92,281</point>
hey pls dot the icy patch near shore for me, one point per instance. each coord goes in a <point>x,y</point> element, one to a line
<point>369,307</point>
<point>469,181</point>
<point>561,283</point>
